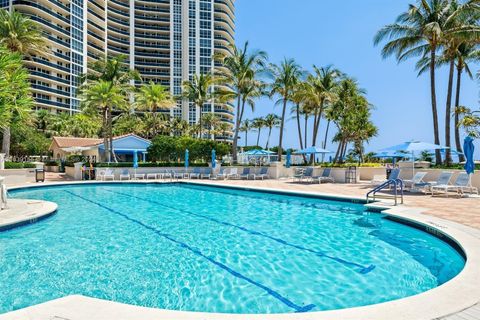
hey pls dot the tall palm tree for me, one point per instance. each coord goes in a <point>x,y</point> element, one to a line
<point>211,121</point>
<point>466,54</point>
<point>15,98</point>
<point>240,73</point>
<point>246,126</point>
<point>19,34</point>
<point>286,77</point>
<point>419,31</point>
<point>102,97</point>
<point>258,124</point>
<point>153,97</point>
<point>199,90</point>
<point>271,121</point>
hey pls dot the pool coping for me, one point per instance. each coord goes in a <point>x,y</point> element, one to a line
<point>458,294</point>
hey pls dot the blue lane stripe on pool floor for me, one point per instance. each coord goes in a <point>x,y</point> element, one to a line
<point>361,268</point>
<point>271,292</point>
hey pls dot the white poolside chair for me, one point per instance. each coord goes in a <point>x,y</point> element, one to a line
<point>138,176</point>
<point>206,173</point>
<point>164,175</point>
<point>460,186</point>
<point>325,177</point>
<point>177,174</point>
<point>195,174</point>
<point>443,179</point>
<point>262,174</point>
<point>151,176</point>
<point>233,174</point>
<point>107,174</point>
<point>416,183</point>
<point>246,173</point>
<point>124,175</point>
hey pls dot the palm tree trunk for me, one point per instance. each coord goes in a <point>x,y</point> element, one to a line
<point>246,138</point>
<point>258,136</point>
<point>200,122</point>
<point>337,154</point>
<point>268,139</point>
<point>6,141</point>
<point>448,111</point>
<point>458,143</point>
<point>324,146</point>
<point>305,131</point>
<point>438,157</point>
<point>299,127</point>
<point>235,135</point>
<point>105,134</point>
<point>282,124</point>
<point>110,135</point>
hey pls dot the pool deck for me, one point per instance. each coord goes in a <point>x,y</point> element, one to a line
<point>20,212</point>
<point>458,299</point>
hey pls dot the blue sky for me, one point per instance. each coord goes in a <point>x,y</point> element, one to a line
<point>324,32</point>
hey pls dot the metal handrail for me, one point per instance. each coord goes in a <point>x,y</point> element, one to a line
<point>387,184</point>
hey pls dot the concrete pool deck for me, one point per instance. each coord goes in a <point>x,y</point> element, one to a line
<point>20,212</point>
<point>455,300</point>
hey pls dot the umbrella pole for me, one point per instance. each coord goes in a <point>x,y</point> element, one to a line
<point>413,164</point>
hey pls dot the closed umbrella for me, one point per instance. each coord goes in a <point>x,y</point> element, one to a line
<point>469,149</point>
<point>135,161</point>
<point>214,159</point>
<point>289,159</point>
<point>186,158</point>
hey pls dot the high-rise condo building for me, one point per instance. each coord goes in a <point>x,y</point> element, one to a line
<point>167,41</point>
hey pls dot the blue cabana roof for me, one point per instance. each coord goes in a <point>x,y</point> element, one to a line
<point>128,144</point>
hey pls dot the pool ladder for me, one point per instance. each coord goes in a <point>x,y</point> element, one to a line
<point>397,185</point>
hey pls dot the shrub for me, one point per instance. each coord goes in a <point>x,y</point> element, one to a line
<point>19,165</point>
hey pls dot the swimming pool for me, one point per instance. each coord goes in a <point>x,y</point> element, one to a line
<point>197,248</point>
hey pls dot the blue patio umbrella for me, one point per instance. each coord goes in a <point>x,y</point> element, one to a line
<point>214,159</point>
<point>412,147</point>
<point>186,158</point>
<point>468,149</point>
<point>135,159</point>
<point>259,152</point>
<point>313,150</point>
<point>289,159</point>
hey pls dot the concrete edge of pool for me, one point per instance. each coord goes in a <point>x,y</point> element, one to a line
<point>458,294</point>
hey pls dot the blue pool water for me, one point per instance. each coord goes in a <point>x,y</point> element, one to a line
<point>193,248</point>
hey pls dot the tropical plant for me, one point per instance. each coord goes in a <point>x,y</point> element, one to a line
<point>240,74</point>
<point>420,31</point>
<point>153,97</point>
<point>470,121</point>
<point>271,121</point>
<point>199,90</point>
<point>179,126</point>
<point>15,99</point>
<point>286,77</point>
<point>246,127</point>
<point>211,122</point>
<point>130,122</point>
<point>102,97</point>
<point>258,124</point>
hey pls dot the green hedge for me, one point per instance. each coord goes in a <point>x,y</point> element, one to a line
<point>19,165</point>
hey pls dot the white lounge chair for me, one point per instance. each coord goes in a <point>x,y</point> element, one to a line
<point>138,176</point>
<point>222,174</point>
<point>177,174</point>
<point>233,174</point>
<point>416,183</point>
<point>325,177</point>
<point>106,174</point>
<point>246,173</point>
<point>151,175</point>
<point>195,174</point>
<point>165,175</point>
<point>262,174</point>
<point>443,179</point>
<point>461,184</point>
<point>124,175</point>
<point>206,173</point>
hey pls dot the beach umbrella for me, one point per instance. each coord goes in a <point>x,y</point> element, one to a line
<point>468,149</point>
<point>186,158</point>
<point>135,161</point>
<point>214,159</point>
<point>412,147</point>
<point>258,152</point>
<point>289,159</point>
<point>313,150</point>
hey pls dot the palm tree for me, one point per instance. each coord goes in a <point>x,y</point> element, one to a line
<point>179,126</point>
<point>240,73</point>
<point>103,96</point>
<point>258,124</point>
<point>246,126</point>
<point>466,53</point>
<point>222,129</point>
<point>153,97</point>
<point>211,121</point>
<point>21,35</point>
<point>271,121</point>
<point>419,31</point>
<point>286,76</point>
<point>199,90</point>
<point>15,98</point>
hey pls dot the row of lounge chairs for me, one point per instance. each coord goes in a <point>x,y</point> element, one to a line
<point>195,173</point>
<point>443,185</point>
<point>306,175</point>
